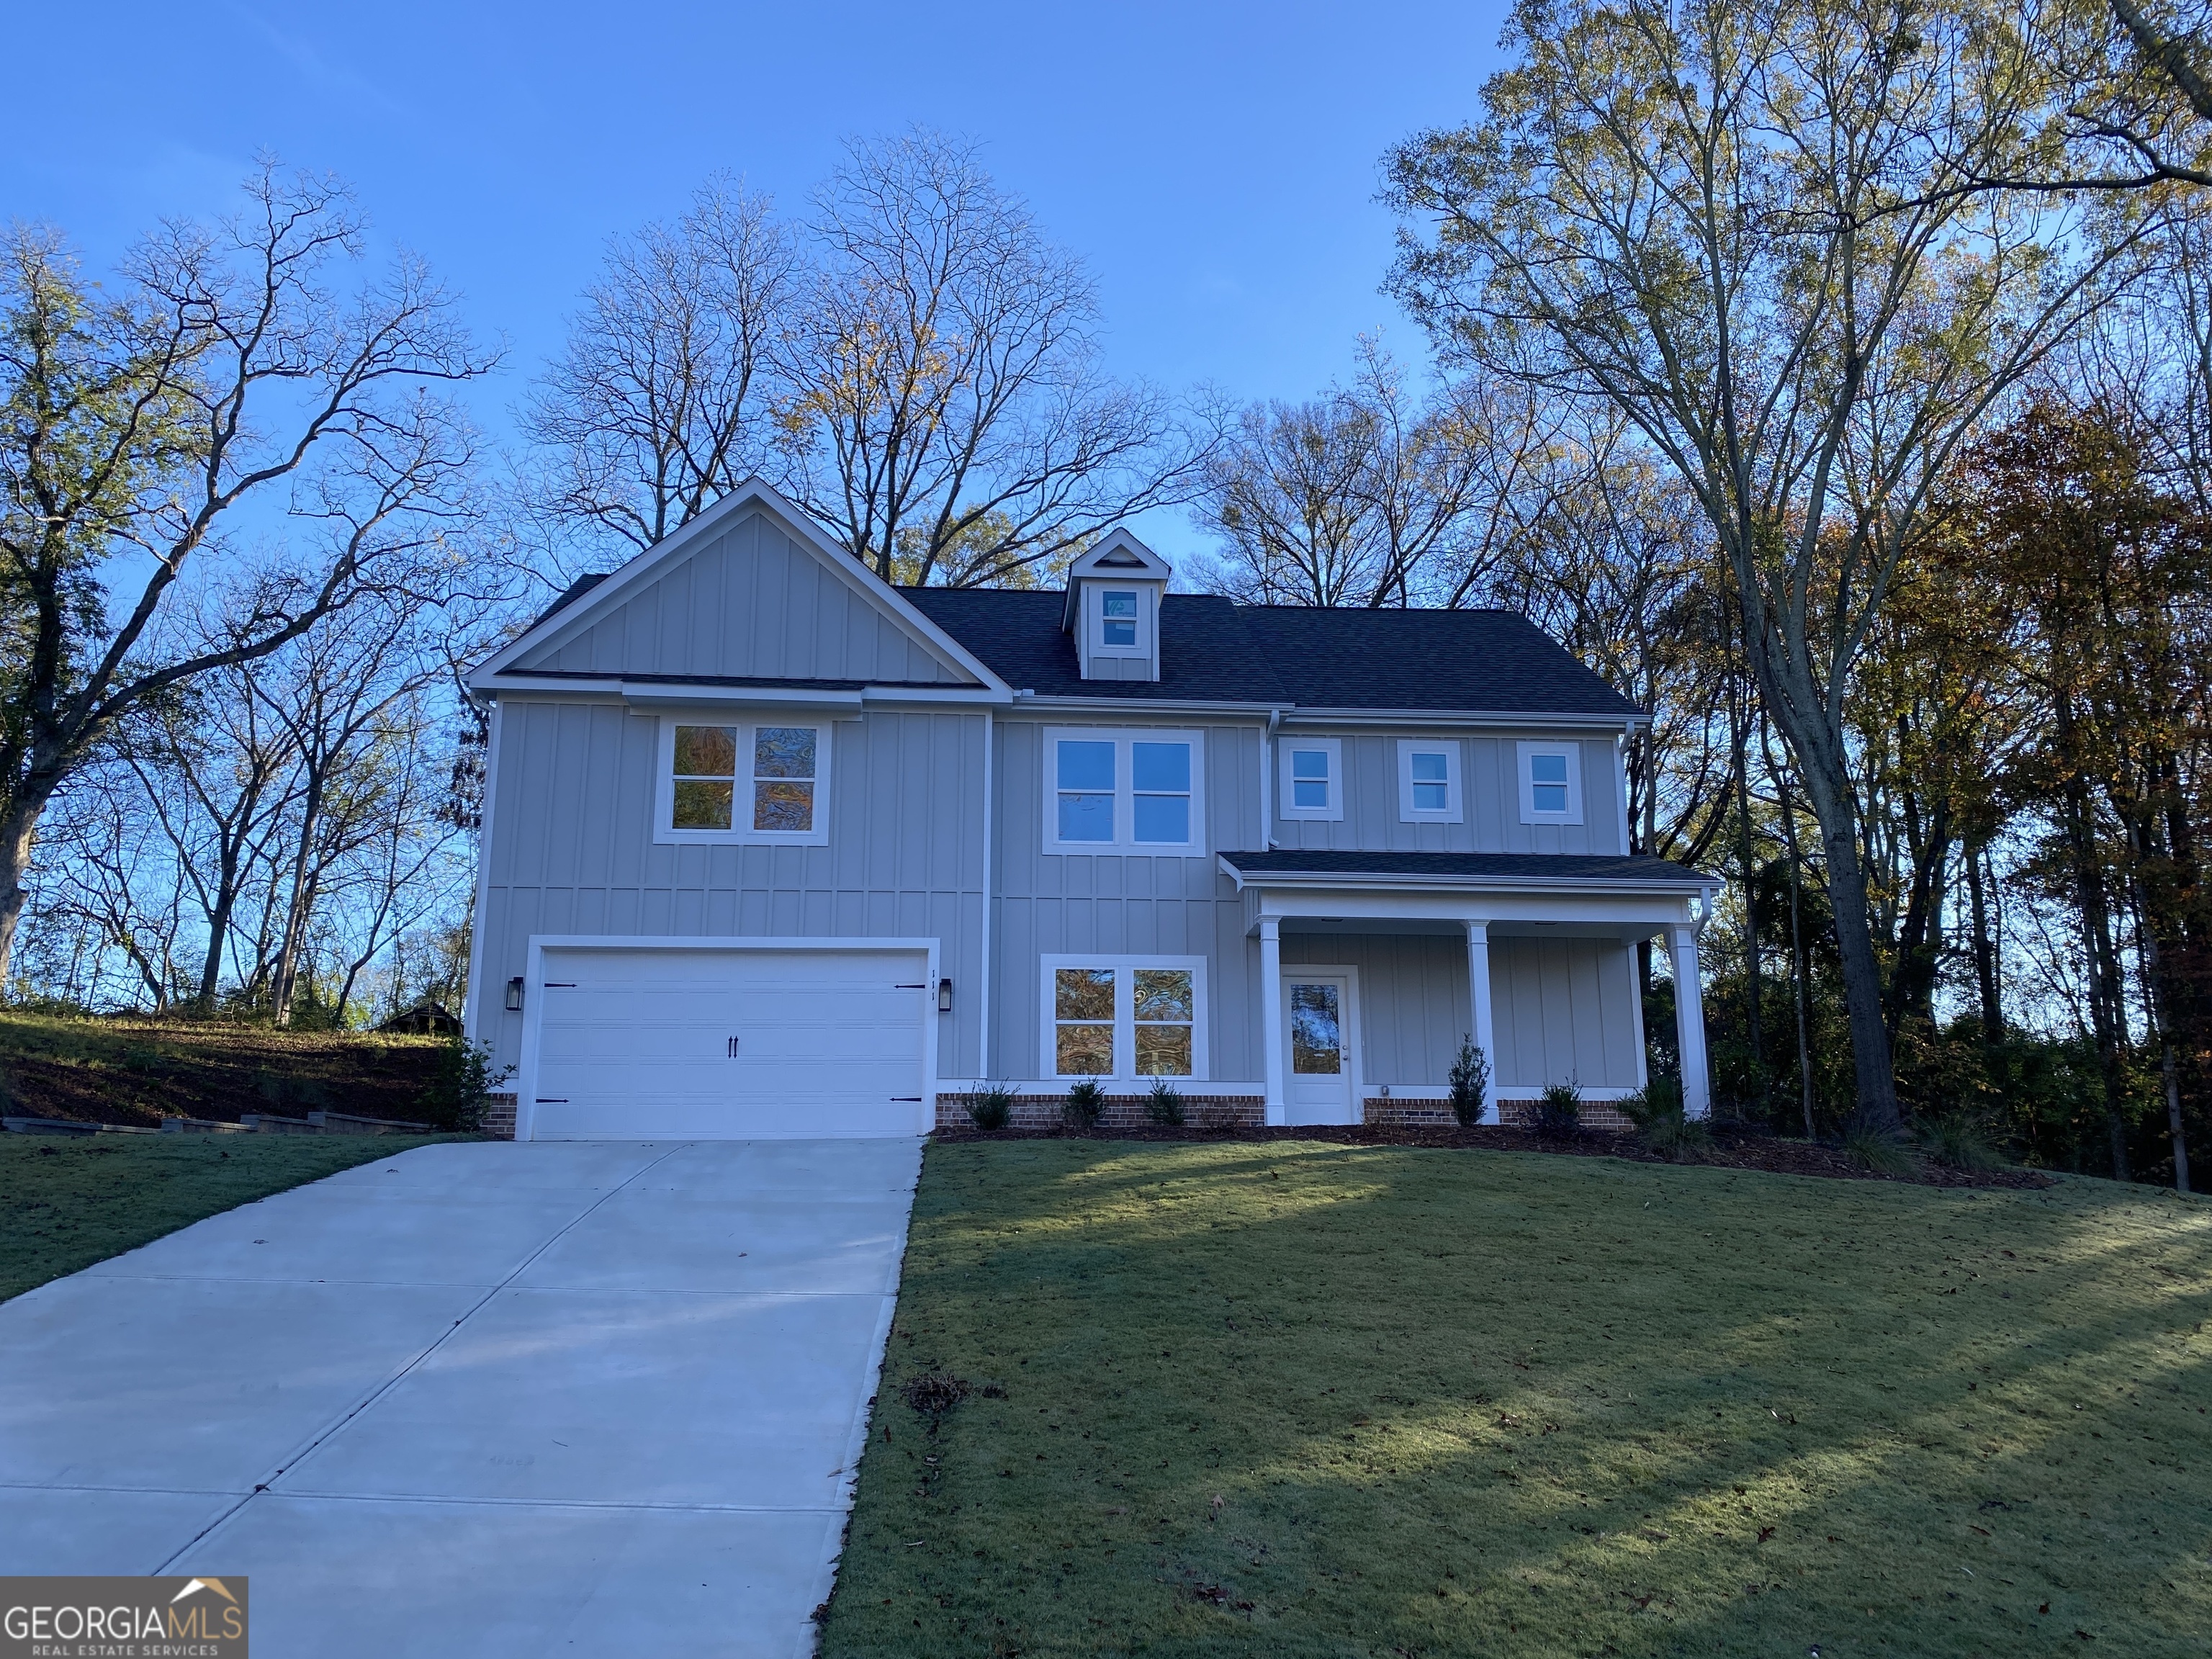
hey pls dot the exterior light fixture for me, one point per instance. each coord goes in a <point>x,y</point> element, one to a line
<point>515,996</point>
<point>944,996</point>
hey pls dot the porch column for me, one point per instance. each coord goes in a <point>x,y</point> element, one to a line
<point>1689,1019</point>
<point>1478,981</point>
<point>1270,1013</point>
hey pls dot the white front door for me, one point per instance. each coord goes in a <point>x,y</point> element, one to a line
<point>1318,1021</point>
<point>689,1042</point>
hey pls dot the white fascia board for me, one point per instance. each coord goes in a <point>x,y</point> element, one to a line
<point>1302,715</point>
<point>977,696</point>
<point>1637,914</point>
<point>758,494</point>
<point>1307,880</point>
<point>1120,706</point>
<point>660,696</point>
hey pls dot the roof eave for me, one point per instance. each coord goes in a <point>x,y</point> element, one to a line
<point>1307,879</point>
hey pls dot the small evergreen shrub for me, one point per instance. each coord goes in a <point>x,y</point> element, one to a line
<point>1086,1101</point>
<point>1878,1152</point>
<point>462,1086</point>
<point>1662,1125</point>
<point>1164,1106</point>
<point>1560,1112</point>
<point>991,1107</point>
<point>1958,1140</point>
<point>1470,1082</point>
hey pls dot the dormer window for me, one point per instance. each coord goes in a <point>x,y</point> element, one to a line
<point>1117,617</point>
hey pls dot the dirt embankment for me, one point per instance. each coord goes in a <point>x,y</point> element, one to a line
<point>138,1071</point>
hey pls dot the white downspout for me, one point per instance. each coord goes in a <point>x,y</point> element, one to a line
<point>983,962</point>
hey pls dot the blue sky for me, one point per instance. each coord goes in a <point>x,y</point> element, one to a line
<point>1215,165</point>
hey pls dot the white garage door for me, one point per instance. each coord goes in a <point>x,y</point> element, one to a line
<point>653,1044</point>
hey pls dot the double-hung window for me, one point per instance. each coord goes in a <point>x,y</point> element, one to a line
<point>727,781</point>
<point>1428,781</point>
<point>1550,783</point>
<point>1312,777</point>
<point>1124,1016</point>
<point>1117,617</point>
<point>1123,790</point>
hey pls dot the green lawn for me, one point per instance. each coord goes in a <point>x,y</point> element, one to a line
<point>1304,1398</point>
<point>67,1203</point>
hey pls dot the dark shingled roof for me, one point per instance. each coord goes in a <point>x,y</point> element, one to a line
<point>574,591</point>
<point>1214,650</point>
<point>1493,866</point>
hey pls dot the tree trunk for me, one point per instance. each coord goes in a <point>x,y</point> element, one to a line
<point>17,829</point>
<point>1739,737</point>
<point>1985,965</point>
<point>1828,789</point>
<point>2105,1015</point>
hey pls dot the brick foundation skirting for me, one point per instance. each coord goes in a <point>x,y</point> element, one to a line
<point>1598,1116</point>
<point>1120,1111</point>
<point>499,1117</point>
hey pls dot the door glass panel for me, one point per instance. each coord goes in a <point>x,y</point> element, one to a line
<point>1316,1030</point>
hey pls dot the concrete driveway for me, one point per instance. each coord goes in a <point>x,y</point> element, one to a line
<point>477,1399</point>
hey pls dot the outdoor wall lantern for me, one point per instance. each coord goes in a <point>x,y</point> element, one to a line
<point>515,996</point>
<point>944,996</point>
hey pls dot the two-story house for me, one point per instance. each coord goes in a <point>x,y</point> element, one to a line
<point>772,848</point>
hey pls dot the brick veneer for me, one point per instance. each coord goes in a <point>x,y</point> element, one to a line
<point>499,1117</point>
<point>1120,1111</point>
<point>1600,1116</point>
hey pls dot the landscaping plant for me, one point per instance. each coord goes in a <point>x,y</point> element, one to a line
<point>1958,1141</point>
<point>1558,1114</point>
<point>1086,1101</point>
<point>1164,1106</point>
<point>1470,1083</point>
<point>1877,1151</point>
<point>1661,1124</point>
<point>991,1107</point>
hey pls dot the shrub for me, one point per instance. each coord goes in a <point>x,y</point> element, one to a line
<point>991,1107</point>
<point>1560,1112</point>
<point>1086,1101</point>
<point>1164,1106</point>
<point>1662,1125</point>
<point>1877,1151</point>
<point>1470,1082</point>
<point>461,1087</point>
<point>1959,1141</point>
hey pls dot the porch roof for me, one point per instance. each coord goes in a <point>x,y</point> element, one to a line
<point>1588,871</point>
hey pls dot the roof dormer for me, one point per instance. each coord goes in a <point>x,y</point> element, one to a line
<point>1113,609</point>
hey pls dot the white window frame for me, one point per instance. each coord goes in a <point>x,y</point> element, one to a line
<point>1573,751</point>
<point>740,832</point>
<point>1094,606</point>
<point>1125,1023</point>
<point>1124,791</point>
<point>1333,748</point>
<point>1453,811</point>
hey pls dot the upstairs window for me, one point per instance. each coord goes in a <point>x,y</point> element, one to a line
<point>1117,618</point>
<point>1126,790</point>
<point>1312,777</point>
<point>1550,783</point>
<point>741,783</point>
<point>1428,781</point>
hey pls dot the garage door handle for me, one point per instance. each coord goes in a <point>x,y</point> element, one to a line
<point>922,987</point>
<point>733,1048</point>
<point>897,1099</point>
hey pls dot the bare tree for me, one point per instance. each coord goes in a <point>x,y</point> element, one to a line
<point>1371,494</point>
<point>144,432</point>
<point>661,400</point>
<point>950,422</point>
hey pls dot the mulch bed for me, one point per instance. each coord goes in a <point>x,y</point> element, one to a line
<point>1729,1151</point>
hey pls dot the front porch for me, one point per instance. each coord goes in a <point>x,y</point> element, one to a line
<point>1372,968</point>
